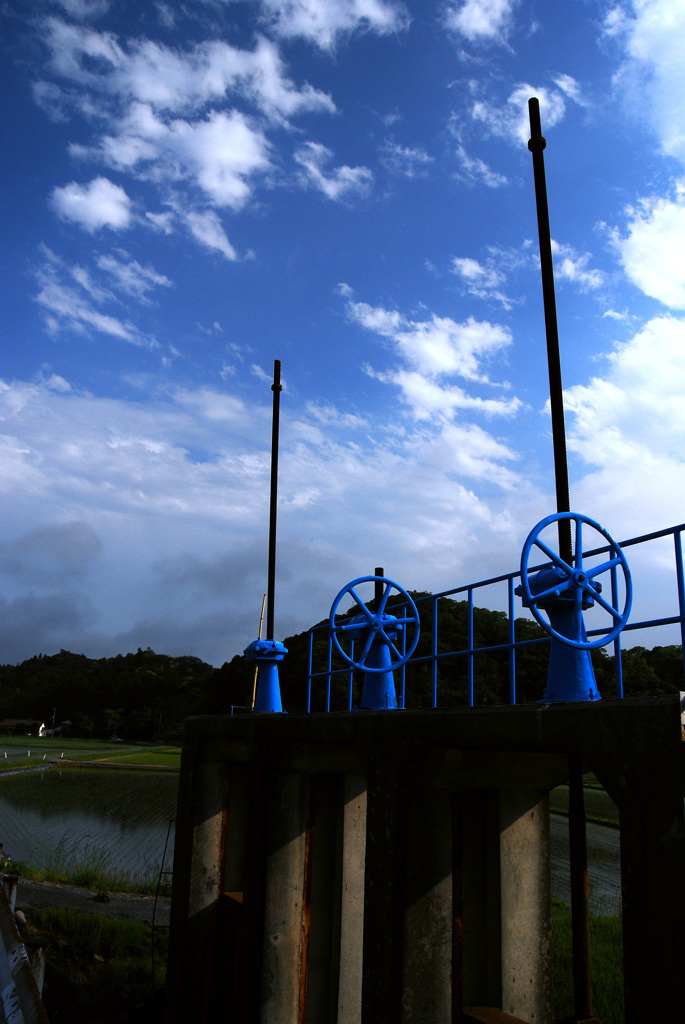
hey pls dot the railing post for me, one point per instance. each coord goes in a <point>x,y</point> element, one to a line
<point>470,646</point>
<point>677,539</point>
<point>309,675</point>
<point>618,664</point>
<point>512,642</point>
<point>435,652</point>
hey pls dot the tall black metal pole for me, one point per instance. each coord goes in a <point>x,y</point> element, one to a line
<point>536,145</point>
<point>276,387</point>
<point>580,920</point>
<point>378,586</point>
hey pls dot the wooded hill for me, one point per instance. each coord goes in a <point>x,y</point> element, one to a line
<point>146,695</point>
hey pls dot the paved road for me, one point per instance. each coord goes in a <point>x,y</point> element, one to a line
<point>604,865</point>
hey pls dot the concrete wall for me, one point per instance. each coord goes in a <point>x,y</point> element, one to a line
<point>393,867</point>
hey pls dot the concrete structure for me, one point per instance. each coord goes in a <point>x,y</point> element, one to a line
<point>393,867</point>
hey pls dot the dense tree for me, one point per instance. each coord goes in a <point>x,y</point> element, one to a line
<point>143,696</point>
<point>138,695</point>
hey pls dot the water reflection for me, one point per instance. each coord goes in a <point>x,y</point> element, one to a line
<point>114,821</point>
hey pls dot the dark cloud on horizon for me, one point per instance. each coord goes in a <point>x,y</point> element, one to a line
<point>50,553</point>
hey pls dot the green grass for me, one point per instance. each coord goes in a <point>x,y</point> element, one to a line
<point>110,937</point>
<point>54,743</point>
<point>599,807</point>
<point>114,964</point>
<point>161,759</point>
<point>88,875</point>
<point>95,750</point>
<point>606,944</point>
<point>6,766</point>
<point>84,865</point>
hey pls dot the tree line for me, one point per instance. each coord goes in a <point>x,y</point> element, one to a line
<point>144,695</point>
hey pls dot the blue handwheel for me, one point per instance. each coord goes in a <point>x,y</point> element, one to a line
<point>374,625</point>
<point>577,584</point>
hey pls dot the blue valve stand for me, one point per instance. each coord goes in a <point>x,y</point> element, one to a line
<point>570,676</point>
<point>267,654</point>
<point>378,691</point>
<point>563,591</point>
<point>377,631</point>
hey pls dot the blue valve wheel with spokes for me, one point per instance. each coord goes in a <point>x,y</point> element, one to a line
<point>369,625</point>
<point>578,583</point>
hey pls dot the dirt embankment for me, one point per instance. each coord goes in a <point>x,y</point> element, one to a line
<point>114,904</point>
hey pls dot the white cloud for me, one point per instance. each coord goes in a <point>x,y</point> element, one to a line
<point>327,414</point>
<point>84,9</point>
<point>438,345</point>
<point>486,279</point>
<point>482,281</point>
<point>171,496</point>
<point>468,451</point>
<point>481,20</point>
<point>323,22</point>
<point>174,81</point>
<point>262,375</point>
<point>76,51</point>
<point>210,405</point>
<point>206,227</point>
<point>220,154</point>
<point>69,309</point>
<point>430,353</point>
<point>651,251</point>
<point>408,161</point>
<point>163,222</point>
<point>572,266</point>
<point>96,205</point>
<point>73,300</point>
<point>570,87</point>
<point>171,116</point>
<point>640,401</point>
<point>336,184</point>
<point>223,151</point>
<point>84,279</point>
<point>166,14</point>
<point>474,170</point>
<point>130,277</point>
<point>511,121</point>
<point>628,424</point>
<point>433,401</point>
<point>51,98</point>
<point>652,77</point>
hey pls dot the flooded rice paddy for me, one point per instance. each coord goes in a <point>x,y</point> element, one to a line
<point>603,863</point>
<point>117,822</point>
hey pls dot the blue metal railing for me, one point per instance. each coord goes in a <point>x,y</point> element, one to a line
<point>470,652</point>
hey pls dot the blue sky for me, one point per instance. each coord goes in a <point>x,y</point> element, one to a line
<point>192,190</point>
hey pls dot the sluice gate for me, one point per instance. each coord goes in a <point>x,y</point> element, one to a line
<point>393,867</point>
